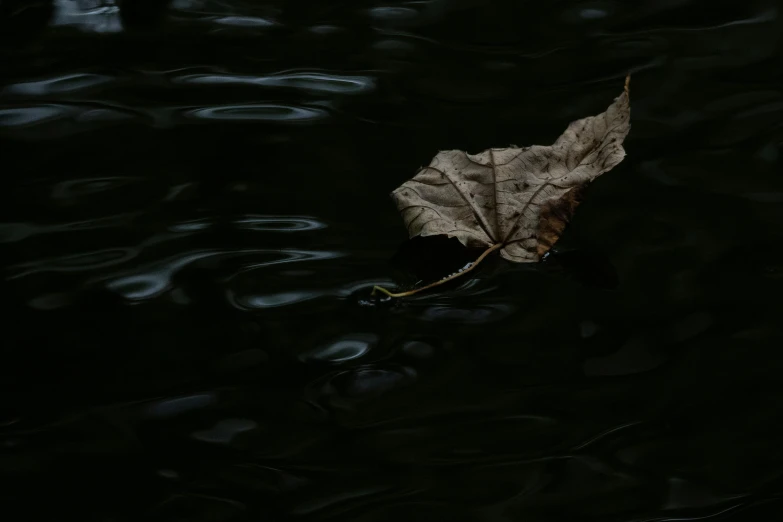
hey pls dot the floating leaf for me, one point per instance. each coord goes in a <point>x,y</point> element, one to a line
<point>516,200</point>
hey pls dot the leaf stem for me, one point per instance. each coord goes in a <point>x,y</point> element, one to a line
<point>484,254</point>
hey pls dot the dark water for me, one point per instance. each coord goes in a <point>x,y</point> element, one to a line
<point>194,206</point>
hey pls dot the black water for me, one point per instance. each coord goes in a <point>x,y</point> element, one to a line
<point>195,204</point>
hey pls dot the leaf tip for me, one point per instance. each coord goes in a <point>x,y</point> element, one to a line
<point>627,83</point>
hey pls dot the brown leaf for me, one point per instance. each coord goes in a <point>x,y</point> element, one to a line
<point>516,199</point>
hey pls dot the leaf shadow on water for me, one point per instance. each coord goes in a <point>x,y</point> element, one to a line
<point>422,260</point>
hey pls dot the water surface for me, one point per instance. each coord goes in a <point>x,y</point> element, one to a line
<point>195,204</point>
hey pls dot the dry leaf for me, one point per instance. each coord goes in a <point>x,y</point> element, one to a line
<point>517,200</point>
<point>521,198</point>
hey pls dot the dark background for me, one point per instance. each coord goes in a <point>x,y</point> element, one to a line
<point>195,205</point>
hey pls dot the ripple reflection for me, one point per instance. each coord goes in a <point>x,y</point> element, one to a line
<point>255,302</point>
<point>257,112</point>
<point>171,407</point>
<point>65,84</point>
<point>347,389</point>
<point>243,21</point>
<point>85,261</point>
<point>313,82</point>
<point>24,116</point>
<point>155,279</point>
<point>279,223</point>
<point>61,119</point>
<point>342,349</point>
<point>13,232</point>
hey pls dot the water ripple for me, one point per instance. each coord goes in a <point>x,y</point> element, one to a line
<point>195,225</point>
<point>82,262</point>
<point>275,300</point>
<point>344,349</point>
<point>25,116</point>
<point>13,232</point>
<point>97,17</point>
<point>171,407</point>
<point>291,255</point>
<point>348,389</point>
<point>279,223</point>
<point>75,188</point>
<point>243,21</point>
<point>65,84</point>
<point>313,82</point>
<point>257,112</point>
<point>66,119</point>
<point>154,279</point>
<point>62,119</point>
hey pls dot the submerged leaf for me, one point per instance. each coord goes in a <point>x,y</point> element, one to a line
<point>518,200</point>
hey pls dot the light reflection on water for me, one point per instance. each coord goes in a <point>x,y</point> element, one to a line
<point>198,211</point>
<point>88,15</point>
<point>313,82</point>
<point>151,281</point>
<point>257,112</point>
<point>65,84</point>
